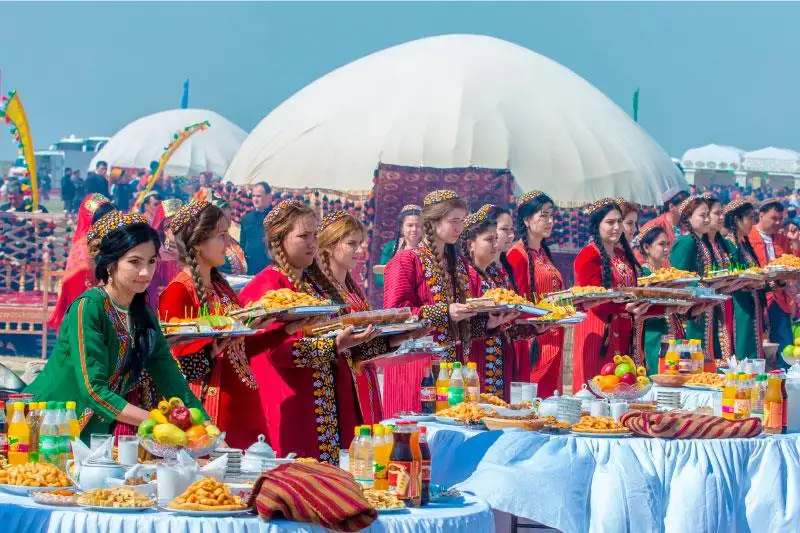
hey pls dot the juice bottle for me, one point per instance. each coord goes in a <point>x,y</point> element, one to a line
<point>729,397</point>
<point>363,460</point>
<point>48,435</point>
<point>685,358</point>
<point>12,399</point>
<point>428,392</point>
<point>442,384</point>
<point>775,403</point>
<point>662,353</point>
<point>698,359</point>
<point>741,407</point>
<point>455,392</point>
<point>34,421</point>
<point>352,450</point>
<point>19,436</point>
<point>757,398</point>
<point>425,452</point>
<point>400,463</point>
<point>74,425</point>
<point>3,432</point>
<point>416,466</point>
<point>64,445</point>
<point>381,457</point>
<point>671,358</point>
<point>472,382</point>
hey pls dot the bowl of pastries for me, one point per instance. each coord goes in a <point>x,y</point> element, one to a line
<point>669,277</point>
<point>119,499</point>
<point>57,497</point>
<point>26,478</point>
<point>464,413</point>
<point>383,501</point>
<point>705,380</point>
<point>210,497</point>
<point>598,426</point>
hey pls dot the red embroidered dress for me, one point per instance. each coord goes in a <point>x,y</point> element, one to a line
<point>547,279</point>
<point>607,328</point>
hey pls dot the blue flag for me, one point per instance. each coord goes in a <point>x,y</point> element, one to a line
<point>185,97</point>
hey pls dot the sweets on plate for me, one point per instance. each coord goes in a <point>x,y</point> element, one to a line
<point>469,412</point>
<point>598,424</point>
<point>34,475</point>
<point>207,494</point>
<point>382,499</point>
<point>124,497</point>
<point>287,298</point>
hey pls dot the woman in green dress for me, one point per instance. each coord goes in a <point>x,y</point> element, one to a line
<point>409,234</point>
<point>748,303</point>
<point>692,251</point>
<point>109,340</point>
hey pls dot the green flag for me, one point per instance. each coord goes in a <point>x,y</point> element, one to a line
<point>636,105</point>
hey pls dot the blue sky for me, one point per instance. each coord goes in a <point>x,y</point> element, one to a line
<point>716,72</point>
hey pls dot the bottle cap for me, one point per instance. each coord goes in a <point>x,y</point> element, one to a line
<point>61,406</point>
<point>364,431</point>
<point>19,405</point>
<point>456,365</point>
<point>2,404</point>
<point>423,430</point>
<point>42,405</point>
<point>377,430</point>
<point>51,405</point>
<point>71,405</point>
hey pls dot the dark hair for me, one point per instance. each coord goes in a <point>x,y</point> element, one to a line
<point>675,201</point>
<point>718,238</point>
<point>101,164</point>
<point>470,235</point>
<point>198,230</point>
<point>731,220</point>
<point>649,238</point>
<point>144,331</point>
<point>525,211</point>
<point>699,242</point>
<point>403,216</point>
<point>102,210</point>
<point>494,213</point>
<point>149,196</point>
<point>769,206</point>
<point>265,185</point>
<point>594,227</point>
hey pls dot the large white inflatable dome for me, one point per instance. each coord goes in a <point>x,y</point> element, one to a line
<point>457,101</point>
<point>145,139</point>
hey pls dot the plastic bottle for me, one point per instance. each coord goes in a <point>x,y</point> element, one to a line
<point>19,436</point>
<point>729,397</point>
<point>416,466</point>
<point>64,434</point>
<point>381,457</point>
<point>400,463</point>
<point>698,358</point>
<point>442,384</point>
<point>363,459</point>
<point>34,420</point>
<point>428,392</point>
<point>74,425</point>
<point>685,358</point>
<point>425,452</point>
<point>48,436</point>
<point>775,411</point>
<point>671,358</point>
<point>472,383</point>
<point>352,450</point>
<point>757,399</point>
<point>455,392</point>
<point>741,407</point>
<point>3,431</point>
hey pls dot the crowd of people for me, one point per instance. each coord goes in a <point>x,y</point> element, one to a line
<point>128,270</point>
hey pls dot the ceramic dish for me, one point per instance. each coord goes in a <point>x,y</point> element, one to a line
<point>22,490</point>
<point>619,435</point>
<point>103,509</point>
<point>47,498</point>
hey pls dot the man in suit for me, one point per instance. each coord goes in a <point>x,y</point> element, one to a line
<point>96,181</point>
<point>252,229</point>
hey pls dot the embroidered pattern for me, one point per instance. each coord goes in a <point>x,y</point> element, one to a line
<point>494,377</point>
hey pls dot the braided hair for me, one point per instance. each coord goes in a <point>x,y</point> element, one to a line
<point>732,218</point>
<point>277,225</point>
<point>195,232</point>
<point>494,214</point>
<point>699,242</point>
<point>524,213</point>
<point>329,236</point>
<point>594,226</point>
<point>647,240</point>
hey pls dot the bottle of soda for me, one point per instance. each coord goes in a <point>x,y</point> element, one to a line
<point>472,383</point>
<point>34,420</point>
<point>442,384</point>
<point>3,433</point>
<point>48,436</point>
<point>428,393</point>
<point>364,459</point>
<point>400,464</point>
<point>416,466</point>
<point>455,392</point>
<point>19,436</point>
<point>425,452</point>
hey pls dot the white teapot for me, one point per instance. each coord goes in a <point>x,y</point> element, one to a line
<point>93,473</point>
<point>549,406</point>
<point>259,456</point>
<point>586,397</point>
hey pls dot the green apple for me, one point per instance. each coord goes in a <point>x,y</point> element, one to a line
<point>622,369</point>
<point>197,416</point>
<point>788,351</point>
<point>146,427</point>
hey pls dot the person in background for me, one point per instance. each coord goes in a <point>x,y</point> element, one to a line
<point>149,204</point>
<point>767,245</point>
<point>17,202</point>
<point>123,192</point>
<point>670,215</point>
<point>235,260</point>
<point>630,219</point>
<point>97,181</point>
<point>46,183</point>
<point>168,260</point>
<point>67,190</point>
<point>252,229</point>
<point>80,188</point>
<point>409,233</point>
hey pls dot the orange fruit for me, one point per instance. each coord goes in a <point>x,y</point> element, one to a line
<point>195,432</point>
<point>608,383</point>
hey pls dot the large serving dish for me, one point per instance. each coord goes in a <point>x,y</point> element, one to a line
<point>623,391</point>
<point>577,318</point>
<point>188,512</point>
<point>527,424</point>
<point>24,490</point>
<point>670,380</point>
<point>51,498</point>
<point>213,334</point>
<point>166,451</point>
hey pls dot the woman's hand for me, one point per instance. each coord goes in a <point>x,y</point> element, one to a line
<point>262,322</point>
<point>459,312</point>
<point>498,319</point>
<point>347,339</point>
<point>637,309</point>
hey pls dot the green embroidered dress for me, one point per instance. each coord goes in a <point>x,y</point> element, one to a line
<point>748,310</point>
<point>86,364</point>
<point>648,337</point>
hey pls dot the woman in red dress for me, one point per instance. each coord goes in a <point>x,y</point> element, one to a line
<point>607,261</point>
<point>169,264</point>
<point>218,372</point>
<point>306,388</point>
<point>79,272</point>
<point>536,275</point>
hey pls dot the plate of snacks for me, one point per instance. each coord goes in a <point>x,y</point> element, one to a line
<point>211,326</point>
<point>208,497</point>
<point>416,417</point>
<point>705,381</point>
<point>462,414</point>
<point>670,380</point>
<point>492,400</point>
<point>442,496</point>
<point>119,500</point>
<point>669,277</point>
<point>504,300</point>
<point>29,477</point>
<point>287,305</point>
<point>58,497</point>
<point>583,294</point>
<point>552,425</point>
<point>599,426</point>
<point>384,501</point>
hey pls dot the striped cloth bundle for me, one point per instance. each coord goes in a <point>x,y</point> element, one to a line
<point>689,426</point>
<point>313,493</point>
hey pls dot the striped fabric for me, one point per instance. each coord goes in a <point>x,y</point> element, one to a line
<point>689,426</point>
<point>314,493</point>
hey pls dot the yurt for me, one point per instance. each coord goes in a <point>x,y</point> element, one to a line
<point>145,139</point>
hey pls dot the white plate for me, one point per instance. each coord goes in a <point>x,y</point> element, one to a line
<point>22,490</point>
<point>101,509</point>
<point>417,418</point>
<point>399,510</point>
<point>187,512</point>
<point>602,435</point>
<point>58,501</point>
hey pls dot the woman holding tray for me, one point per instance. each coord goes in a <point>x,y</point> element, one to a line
<point>693,252</point>
<point>536,275</point>
<point>218,370</point>
<point>606,261</point>
<point>305,383</point>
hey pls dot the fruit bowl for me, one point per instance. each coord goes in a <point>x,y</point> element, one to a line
<point>670,380</point>
<point>170,451</point>
<point>623,391</point>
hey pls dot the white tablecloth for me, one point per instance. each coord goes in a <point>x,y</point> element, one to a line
<point>637,485</point>
<point>690,398</point>
<point>18,514</point>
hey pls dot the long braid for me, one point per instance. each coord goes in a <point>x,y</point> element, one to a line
<point>430,238</point>
<point>191,260</point>
<point>626,248</point>
<point>701,262</point>
<point>317,273</point>
<point>278,253</point>
<point>608,279</point>
<point>531,276</point>
<point>509,271</point>
<point>328,278</point>
<point>460,294</point>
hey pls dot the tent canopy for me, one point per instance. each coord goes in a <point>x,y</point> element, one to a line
<point>457,101</point>
<point>713,156</point>
<point>771,159</point>
<point>145,139</point>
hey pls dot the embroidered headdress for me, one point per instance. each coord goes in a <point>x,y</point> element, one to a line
<point>436,197</point>
<point>478,217</point>
<point>410,208</point>
<point>187,213</point>
<point>112,221</point>
<point>599,204</point>
<point>330,218</point>
<point>171,207</point>
<point>529,196</point>
<point>737,204</point>
<point>278,209</point>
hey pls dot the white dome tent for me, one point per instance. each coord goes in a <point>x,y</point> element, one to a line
<point>457,101</point>
<point>772,160</point>
<point>144,140</point>
<point>713,157</point>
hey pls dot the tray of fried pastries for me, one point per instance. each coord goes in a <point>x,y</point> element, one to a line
<point>583,294</point>
<point>669,277</point>
<point>501,300</point>
<point>287,305</point>
<point>208,326</point>
<point>387,322</point>
<point>660,295</point>
<point>208,497</point>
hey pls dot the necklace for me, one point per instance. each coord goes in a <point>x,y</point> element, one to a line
<point>123,314</point>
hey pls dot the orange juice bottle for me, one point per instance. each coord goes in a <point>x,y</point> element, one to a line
<point>380,457</point>
<point>416,467</point>
<point>729,397</point>
<point>698,359</point>
<point>19,436</point>
<point>671,358</point>
<point>442,387</point>
<point>775,404</point>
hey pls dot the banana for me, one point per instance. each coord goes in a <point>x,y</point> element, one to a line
<point>640,371</point>
<point>628,359</point>
<point>158,416</point>
<point>617,359</point>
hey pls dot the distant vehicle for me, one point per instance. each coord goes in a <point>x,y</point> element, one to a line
<point>69,152</point>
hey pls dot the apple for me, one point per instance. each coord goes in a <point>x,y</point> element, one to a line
<point>197,416</point>
<point>628,378</point>
<point>181,417</point>
<point>622,369</point>
<point>607,370</point>
<point>797,341</point>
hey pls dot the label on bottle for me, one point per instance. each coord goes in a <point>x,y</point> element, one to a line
<point>400,479</point>
<point>380,472</point>
<point>728,411</point>
<point>48,449</point>
<point>473,393</point>
<point>426,470</point>
<point>3,443</point>
<point>455,396</point>
<point>773,415</point>
<point>742,409</point>
<point>428,394</point>
<point>441,394</point>
<point>17,444</point>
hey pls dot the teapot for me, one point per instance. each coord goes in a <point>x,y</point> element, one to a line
<point>93,473</point>
<point>258,457</point>
<point>549,406</point>
<point>586,397</point>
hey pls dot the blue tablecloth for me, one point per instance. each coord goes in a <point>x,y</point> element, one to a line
<point>637,485</point>
<point>18,514</point>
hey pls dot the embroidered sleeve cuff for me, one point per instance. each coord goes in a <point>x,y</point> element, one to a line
<point>368,350</point>
<point>437,315</point>
<point>478,326</point>
<point>313,352</point>
<point>194,366</point>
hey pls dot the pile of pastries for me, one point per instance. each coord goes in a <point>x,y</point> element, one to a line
<point>468,412</point>
<point>598,424</point>
<point>382,499</point>
<point>287,298</point>
<point>707,379</point>
<point>124,497</point>
<point>557,312</point>
<point>207,494</point>
<point>491,399</point>
<point>666,274</point>
<point>502,296</point>
<point>786,260</point>
<point>34,475</point>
